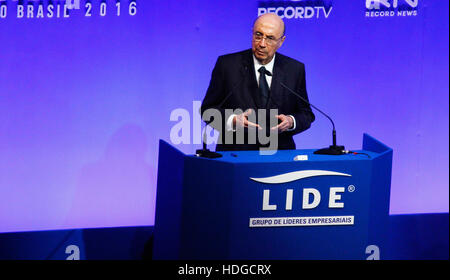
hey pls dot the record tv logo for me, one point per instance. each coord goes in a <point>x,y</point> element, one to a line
<point>391,8</point>
<point>296,9</point>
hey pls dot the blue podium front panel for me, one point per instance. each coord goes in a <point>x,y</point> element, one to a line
<point>317,217</point>
<point>251,206</point>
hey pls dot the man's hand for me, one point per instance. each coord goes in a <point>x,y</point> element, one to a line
<point>241,120</point>
<point>286,123</point>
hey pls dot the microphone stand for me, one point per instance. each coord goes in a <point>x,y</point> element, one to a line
<point>205,152</point>
<point>333,149</point>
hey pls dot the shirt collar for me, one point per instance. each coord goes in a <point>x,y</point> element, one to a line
<point>268,66</point>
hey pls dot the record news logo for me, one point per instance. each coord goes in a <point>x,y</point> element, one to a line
<point>391,8</point>
<point>296,9</point>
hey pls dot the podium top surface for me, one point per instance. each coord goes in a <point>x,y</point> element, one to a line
<point>289,156</point>
<point>371,149</point>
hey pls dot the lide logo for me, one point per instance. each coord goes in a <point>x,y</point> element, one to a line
<point>311,198</point>
<point>391,8</point>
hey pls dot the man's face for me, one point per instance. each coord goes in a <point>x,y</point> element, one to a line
<point>267,38</point>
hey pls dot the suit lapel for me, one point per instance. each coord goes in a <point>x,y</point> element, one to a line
<point>276,97</point>
<point>251,95</point>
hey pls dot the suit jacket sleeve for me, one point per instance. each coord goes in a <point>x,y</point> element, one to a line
<point>215,96</point>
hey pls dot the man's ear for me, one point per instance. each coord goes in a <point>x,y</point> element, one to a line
<point>282,41</point>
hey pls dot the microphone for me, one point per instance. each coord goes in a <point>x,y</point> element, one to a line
<point>333,149</point>
<point>205,152</point>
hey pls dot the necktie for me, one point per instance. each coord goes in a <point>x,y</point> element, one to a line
<point>263,86</point>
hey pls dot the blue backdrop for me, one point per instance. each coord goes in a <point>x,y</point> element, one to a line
<point>85,95</point>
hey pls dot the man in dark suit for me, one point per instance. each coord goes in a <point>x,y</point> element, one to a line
<point>251,80</point>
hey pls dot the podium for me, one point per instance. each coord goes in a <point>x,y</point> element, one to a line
<point>248,206</point>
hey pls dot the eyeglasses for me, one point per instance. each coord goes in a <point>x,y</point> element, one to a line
<point>270,40</point>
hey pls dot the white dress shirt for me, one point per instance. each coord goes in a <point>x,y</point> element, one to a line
<point>268,66</point>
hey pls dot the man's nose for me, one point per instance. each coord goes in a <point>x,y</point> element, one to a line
<point>263,43</point>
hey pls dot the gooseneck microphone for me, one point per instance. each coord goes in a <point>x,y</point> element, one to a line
<point>205,152</point>
<point>333,149</point>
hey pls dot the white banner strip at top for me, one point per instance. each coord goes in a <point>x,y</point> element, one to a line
<point>297,175</point>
